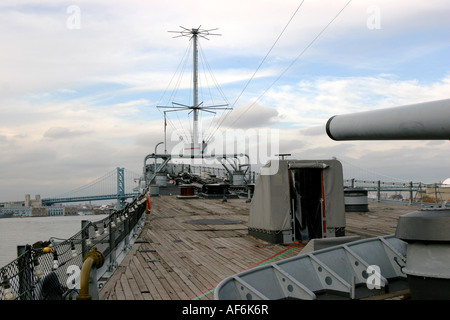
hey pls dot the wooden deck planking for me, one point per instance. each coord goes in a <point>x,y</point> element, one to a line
<point>381,219</point>
<point>189,260</point>
<point>149,291</point>
<point>182,273</point>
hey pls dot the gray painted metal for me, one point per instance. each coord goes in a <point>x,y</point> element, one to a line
<point>428,260</point>
<point>425,225</point>
<point>422,121</point>
<point>337,272</point>
<point>426,232</point>
<point>356,200</point>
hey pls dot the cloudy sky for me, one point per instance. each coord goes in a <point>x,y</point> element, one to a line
<point>80,81</point>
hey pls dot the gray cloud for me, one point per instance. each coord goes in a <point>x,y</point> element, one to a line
<point>314,131</point>
<point>252,116</point>
<point>63,133</point>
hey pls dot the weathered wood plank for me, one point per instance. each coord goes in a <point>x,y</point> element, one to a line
<point>118,290</point>
<point>127,291</point>
<point>148,288</point>
<point>191,259</point>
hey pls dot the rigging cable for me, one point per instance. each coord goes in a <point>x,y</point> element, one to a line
<point>267,54</point>
<point>207,67</point>
<point>259,66</point>
<point>183,62</point>
<point>189,98</point>
<point>295,60</point>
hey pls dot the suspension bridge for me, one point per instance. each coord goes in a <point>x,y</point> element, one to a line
<point>118,183</point>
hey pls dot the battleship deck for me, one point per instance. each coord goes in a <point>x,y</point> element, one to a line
<point>188,246</point>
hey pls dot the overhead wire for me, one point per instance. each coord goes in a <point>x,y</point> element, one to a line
<point>261,63</point>
<point>225,115</point>
<point>268,52</point>
<point>176,90</point>
<point>207,67</point>
<point>182,66</point>
<point>293,62</point>
<point>201,88</point>
<point>170,82</point>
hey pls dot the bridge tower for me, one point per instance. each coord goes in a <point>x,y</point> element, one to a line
<point>120,188</point>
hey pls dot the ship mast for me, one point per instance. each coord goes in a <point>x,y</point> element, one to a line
<point>193,34</point>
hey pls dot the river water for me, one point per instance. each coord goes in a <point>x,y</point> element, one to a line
<point>28,230</point>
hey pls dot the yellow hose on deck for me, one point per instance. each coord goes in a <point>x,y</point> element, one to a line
<point>93,259</point>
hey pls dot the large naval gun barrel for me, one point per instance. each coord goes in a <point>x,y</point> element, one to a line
<point>422,121</point>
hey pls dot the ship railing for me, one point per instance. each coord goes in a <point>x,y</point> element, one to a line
<point>50,270</point>
<point>417,193</point>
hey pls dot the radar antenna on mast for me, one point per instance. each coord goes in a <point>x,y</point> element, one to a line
<point>197,106</point>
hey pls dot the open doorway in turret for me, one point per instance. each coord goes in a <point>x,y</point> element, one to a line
<point>306,193</point>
